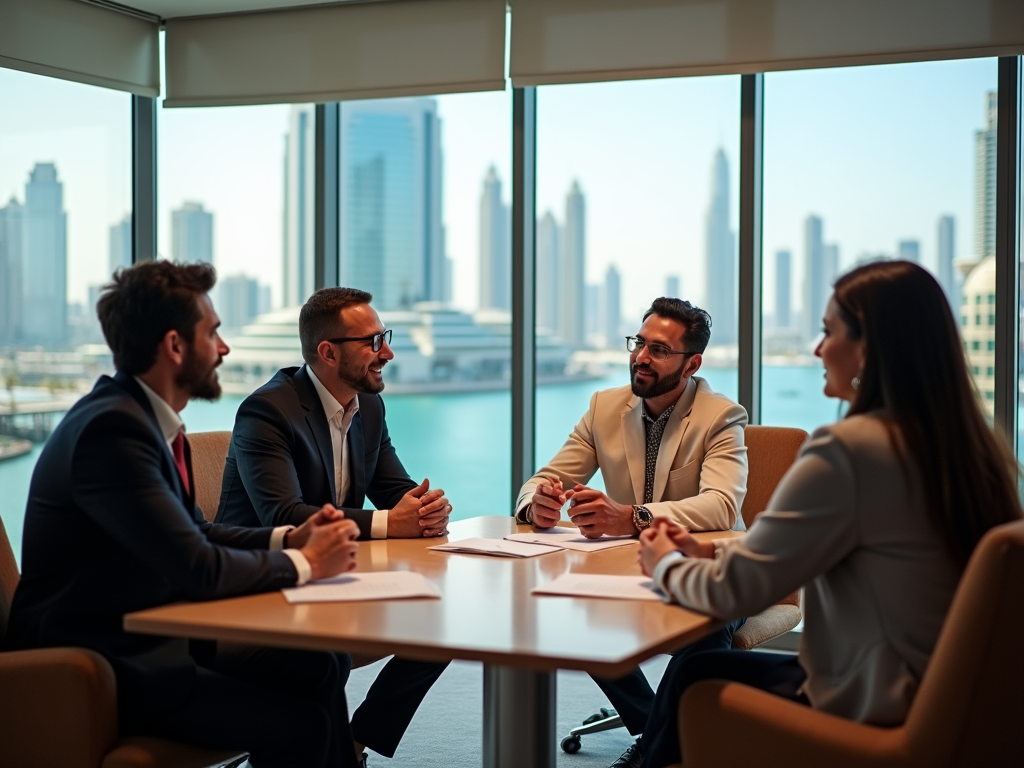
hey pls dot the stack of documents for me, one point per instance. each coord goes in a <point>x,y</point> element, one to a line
<point>557,537</point>
<point>599,585</point>
<point>380,585</point>
<point>498,547</point>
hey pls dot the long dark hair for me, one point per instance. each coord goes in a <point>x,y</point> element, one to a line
<point>915,376</point>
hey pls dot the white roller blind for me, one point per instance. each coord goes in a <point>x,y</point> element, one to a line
<point>371,50</point>
<point>75,41</point>
<point>571,41</point>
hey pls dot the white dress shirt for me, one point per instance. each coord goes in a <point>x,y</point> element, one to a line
<point>170,425</point>
<point>340,420</point>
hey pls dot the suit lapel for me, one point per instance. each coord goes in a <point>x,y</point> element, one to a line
<point>357,458</point>
<point>635,445</point>
<point>317,422</point>
<point>672,437</point>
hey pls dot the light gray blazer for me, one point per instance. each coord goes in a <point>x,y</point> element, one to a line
<point>846,525</point>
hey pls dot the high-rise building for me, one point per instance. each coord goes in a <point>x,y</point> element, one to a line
<point>121,244</point>
<point>947,253</point>
<point>495,246</point>
<point>574,256</point>
<point>298,234</point>
<point>816,278</point>
<point>549,239</point>
<point>592,314</point>
<point>192,234</point>
<point>783,283</point>
<point>44,259</point>
<point>10,272</point>
<point>720,250</point>
<point>392,236</point>
<point>672,289</point>
<point>238,301</point>
<point>612,307</point>
<point>909,250</point>
<point>985,181</point>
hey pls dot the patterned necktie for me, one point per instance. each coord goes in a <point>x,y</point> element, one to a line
<point>178,449</point>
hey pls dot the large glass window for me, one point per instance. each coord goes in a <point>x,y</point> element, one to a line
<point>637,190</point>
<point>870,163</point>
<point>65,224</point>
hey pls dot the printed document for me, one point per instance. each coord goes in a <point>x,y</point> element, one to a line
<point>379,585</point>
<point>575,541</point>
<point>599,585</point>
<point>498,547</point>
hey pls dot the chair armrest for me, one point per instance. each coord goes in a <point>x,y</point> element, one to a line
<point>769,623</point>
<point>58,706</point>
<point>783,733</point>
<point>147,752</point>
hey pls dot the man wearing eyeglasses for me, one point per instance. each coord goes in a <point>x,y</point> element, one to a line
<point>667,446</point>
<point>316,434</point>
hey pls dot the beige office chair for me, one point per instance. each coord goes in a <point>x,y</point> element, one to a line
<point>968,711</point>
<point>58,707</point>
<point>771,451</point>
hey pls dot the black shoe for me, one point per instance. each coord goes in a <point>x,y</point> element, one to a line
<point>631,758</point>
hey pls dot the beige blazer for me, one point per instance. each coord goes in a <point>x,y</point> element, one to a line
<point>701,474</point>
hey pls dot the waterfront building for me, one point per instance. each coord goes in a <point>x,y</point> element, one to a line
<point>720,252</point>
<point>612,307</point>
<point>571,319</point>
<point>192,234</point>
<point>495,246</point>
<point>909,250</point>
<point>44,259</point>
<point>10,272</point>
<point>298,241</point>
<point>783,280</point>
<point>985,181</point>
<point>238,301</point>
<point>947,253</point>
<point>549,237</point>
<point>978,327</point>
<point>816,278</point>
<point>120,253</point>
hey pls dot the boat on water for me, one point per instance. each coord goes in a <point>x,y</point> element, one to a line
<point>13,447</point>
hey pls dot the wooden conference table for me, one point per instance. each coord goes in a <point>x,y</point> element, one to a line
<point>486,613</point>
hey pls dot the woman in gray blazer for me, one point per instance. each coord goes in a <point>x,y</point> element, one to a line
<point>875,520</point>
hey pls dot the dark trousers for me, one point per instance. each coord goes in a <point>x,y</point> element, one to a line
<point>286,708</point>
<point>777,673</point>
<point>632,696</point>
<point>392,700</point>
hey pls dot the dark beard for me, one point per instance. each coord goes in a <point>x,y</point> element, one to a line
<point>200,383</point>
<point>365,384</point>
<point>657,387</point>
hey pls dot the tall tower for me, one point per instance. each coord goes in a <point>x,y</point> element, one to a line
<point>720,253</point>
<point>121,244</point>
<point>783,281</point>
<point>815,291</point>
<point>612,307</point>
<point>549,259</point>
<point>44,258</point>
<point>985,181</point>
<point>10,272</point>
<point>192,234</point>
<point>298,271</point>
<point>672,288</point>
<point>574,255</point>
<point>909,250</point>
<point>392,238</point>
<point>947,252</point>
<point>495,246</point>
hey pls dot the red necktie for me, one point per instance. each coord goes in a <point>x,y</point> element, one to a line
<point>178,449</point>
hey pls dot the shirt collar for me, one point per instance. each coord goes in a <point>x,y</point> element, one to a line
<point>168,419</point>
<point>330,402</point>
<point>664,414</point>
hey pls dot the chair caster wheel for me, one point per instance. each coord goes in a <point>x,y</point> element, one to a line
<point>571,745</point>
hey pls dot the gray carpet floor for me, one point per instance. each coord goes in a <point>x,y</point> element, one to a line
<point>447,730</point>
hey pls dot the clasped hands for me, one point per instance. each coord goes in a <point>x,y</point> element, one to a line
<point>421,512</point>
<point>666,536</point>
<point>327,540</point>
<point>592,511</point>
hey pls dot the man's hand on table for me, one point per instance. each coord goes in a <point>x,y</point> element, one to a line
<point>595,514</point>
<point>328,542</point>
<point>421,512</point>
<point>547,502</point>
<point>666,536</point>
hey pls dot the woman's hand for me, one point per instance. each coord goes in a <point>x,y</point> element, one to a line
<point>666,536</point>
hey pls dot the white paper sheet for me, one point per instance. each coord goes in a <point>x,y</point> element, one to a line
<point>598,585</point>
<point>574,541</point>
<point>373,585</point>
<point>498,547</point>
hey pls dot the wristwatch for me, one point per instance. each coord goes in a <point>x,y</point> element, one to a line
<point>642,518</point>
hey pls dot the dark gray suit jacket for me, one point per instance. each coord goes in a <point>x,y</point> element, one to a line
<point>280,467</point>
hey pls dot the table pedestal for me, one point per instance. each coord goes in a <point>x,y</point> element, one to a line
<point>519,718</point>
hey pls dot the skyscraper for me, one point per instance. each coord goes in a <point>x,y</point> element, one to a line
<point>392,236</point>
<point>44,258</point>
<point>720,250</point>
<point>121,244</point>
<point>783,281</point>
<point>672,289</point>
<point>192,234</point>
<point>909,250</point>
<point>612,307</point>
<point>985,181</point>
<point>10,272</point>
<point>816,283</point>
<point>238,301</point>
<point>549,239</point>
<point>495,246</point>
<point>299,195</point>
<point>574,254</point>
<point>947,252</point>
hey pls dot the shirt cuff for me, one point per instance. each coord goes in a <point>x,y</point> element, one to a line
<point>663,567</point>
<point>379,524</point>
<point>301,565</point>
<point>277,537</point>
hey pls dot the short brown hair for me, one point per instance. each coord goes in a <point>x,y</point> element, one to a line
<point>695,321</point>
<point>144,302</point>
<point>318,318</point>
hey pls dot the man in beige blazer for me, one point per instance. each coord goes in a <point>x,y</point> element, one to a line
<point>667,446</point>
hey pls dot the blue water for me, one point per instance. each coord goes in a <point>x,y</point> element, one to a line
<point>462,442</point>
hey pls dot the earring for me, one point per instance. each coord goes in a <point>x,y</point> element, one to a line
<point>855,383</point>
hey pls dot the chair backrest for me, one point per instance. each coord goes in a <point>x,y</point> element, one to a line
<point>771,451</point>
<point>969,709</point>
<point>209,453</point>
<point>8,579</point>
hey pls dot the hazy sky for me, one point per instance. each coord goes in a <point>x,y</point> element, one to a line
<point>879,152</point>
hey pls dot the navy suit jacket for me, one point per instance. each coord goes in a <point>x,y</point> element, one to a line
<point>109,530</point>
<point>280,467</point>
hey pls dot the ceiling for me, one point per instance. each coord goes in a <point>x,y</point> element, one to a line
<point>170,9</point>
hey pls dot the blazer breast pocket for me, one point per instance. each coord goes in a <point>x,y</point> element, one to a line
<point>685,471</point>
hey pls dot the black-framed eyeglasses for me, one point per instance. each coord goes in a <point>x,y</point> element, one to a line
<point>656,351</point>
<point>378,339</point>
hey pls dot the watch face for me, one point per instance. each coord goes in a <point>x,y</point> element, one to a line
<point>645,515</point>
